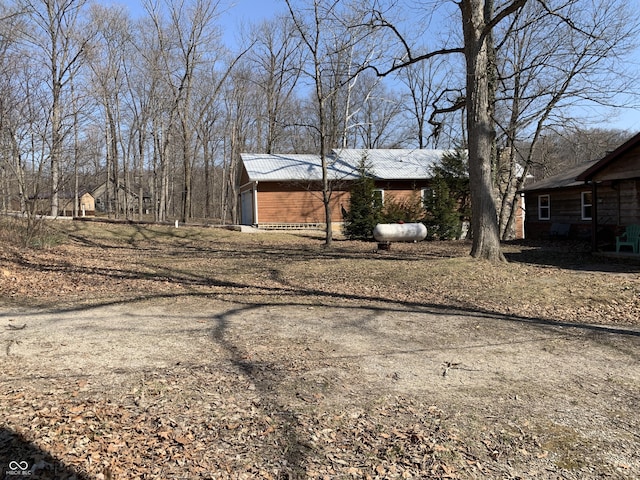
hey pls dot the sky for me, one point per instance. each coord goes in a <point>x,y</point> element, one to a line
<point>239,13</point>
<point>234,11</point>
<point>248,12</point>
<point>627,120</point>
<point>253,10</point>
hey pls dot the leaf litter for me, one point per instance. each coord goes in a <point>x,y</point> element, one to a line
<point>270,394</point>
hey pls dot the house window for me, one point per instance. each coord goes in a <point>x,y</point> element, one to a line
<point>544,207</point>
<point>378,197</point>
<point>427,194</point>
<point>587,204</point>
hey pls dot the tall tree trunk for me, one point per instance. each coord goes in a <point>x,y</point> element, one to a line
<point>139,175</point>
<point>56,145</point>
<point>19,171</point>
<point>160,175</point>
<point>113,181</point>
<point>126,182</point>
<point>207,175</point>
<point>481,133</point>
<point>188,174</point>
<point>6,192</point>
<point>326,184</point>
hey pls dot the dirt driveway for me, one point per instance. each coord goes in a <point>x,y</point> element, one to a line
<point>150,352</point>
<point>210,386</point>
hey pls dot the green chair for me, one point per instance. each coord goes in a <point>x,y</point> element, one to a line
<point>630,238</point>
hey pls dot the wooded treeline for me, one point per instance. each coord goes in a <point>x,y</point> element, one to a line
<point>156,105</point>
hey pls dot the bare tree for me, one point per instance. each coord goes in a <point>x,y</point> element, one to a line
<point>550,61</point>
<point>141,85</point>
<point>312,35</point>
<point>107,59</point>
<point>277,55</point>
<point>155,52</point>
<point>61,40</point>
<point>560,150</point>
<point>210,132</point>
<point>241,99</point>
<point>424,82</point>
<point>480,21</point>
<point>376,122</point>
<point>331,36</point>
<point>194,29</point>
<point>13,112</point>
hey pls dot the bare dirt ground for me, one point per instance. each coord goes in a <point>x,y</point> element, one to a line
<point>149,352</point>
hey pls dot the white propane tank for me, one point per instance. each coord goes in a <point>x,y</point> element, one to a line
<point>399,232</point>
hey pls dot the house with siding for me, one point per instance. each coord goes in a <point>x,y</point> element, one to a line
<point>601,196</point>
<point>86,204</point>
<point>285,190</point>
<point>110,197</point>
<point>41,204</point>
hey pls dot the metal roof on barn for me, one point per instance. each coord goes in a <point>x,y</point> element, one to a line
<point>386,164</point>
<point>265,167</point>
<point>395,164</point>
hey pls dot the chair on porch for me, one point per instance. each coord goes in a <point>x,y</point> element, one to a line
<point>630,238</point>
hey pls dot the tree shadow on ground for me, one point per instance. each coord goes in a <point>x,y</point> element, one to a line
<point>295,452</point>
<point>292,449</point>
<point>20,458</point>
<point>291,453</point>
<point>290,295</point>
<point>571,255</point>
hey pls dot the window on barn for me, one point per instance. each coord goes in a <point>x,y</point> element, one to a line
<point>544,207</point>
<point>587,204</point>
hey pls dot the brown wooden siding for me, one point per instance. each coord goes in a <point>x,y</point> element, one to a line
<point>291,203</point>
<point>280,203</point>
<point>629,201</point>
<point>565,208</point>
<point>401,195</point>
<point>244,177</point>
<point>618,205</point>
<point>616,200</point>
<point>298,206</point>
<point>565,205</point>
<point>627,166</point>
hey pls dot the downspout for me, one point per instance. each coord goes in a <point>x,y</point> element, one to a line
<point>523,213</point>
<point>594,217</point>
<point>255,203</point>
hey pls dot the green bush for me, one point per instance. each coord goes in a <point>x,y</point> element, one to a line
<point>408,210</point>
<point>449,203</point>
<point>365,208</point>
<point>442,218</point>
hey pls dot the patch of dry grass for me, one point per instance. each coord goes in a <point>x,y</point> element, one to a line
<point>98,261</point>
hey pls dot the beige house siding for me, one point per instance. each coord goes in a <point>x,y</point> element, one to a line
<point>86,204</point>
